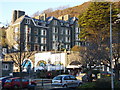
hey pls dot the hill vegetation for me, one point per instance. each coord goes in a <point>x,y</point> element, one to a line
<point>72,11</point>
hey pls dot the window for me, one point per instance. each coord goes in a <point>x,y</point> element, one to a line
<point>25,80</point>
<point>55,30</point>
<point>61,30</point>
<point>5,66</point>
<point>36,31</point>
<point>55,22</point>
<point>27,29</point>
<point>77,30</point>
<point>43,40</point>
<point>36,39</point>
<point>57,78</point>
<point>68,47</point>
<point>43,32</point>
<point>67,25</point>
<point>68,32</point>
<point>72,78</point>
<point>36,22</point>
<point>54,46</point>
<point>66,78</point>
<point>27,21</point>
<point>62,24</point>
<point>55,38</point>
<point>77,37</point>
<point>8,80</point>
<point>16,80</point>
<point>36,47</point>
<point>67,39</point>
<point>29,38</point>
<point>43,48</point>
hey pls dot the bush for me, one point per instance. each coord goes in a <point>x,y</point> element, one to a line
<point>89,85</point>
<point>103,83</point>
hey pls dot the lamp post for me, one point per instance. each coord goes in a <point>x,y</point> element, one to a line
<point>112,81</point>
<point>0,64</point>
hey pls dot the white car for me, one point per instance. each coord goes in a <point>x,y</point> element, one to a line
<point>66,81</point>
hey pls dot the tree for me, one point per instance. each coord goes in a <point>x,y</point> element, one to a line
<point>76,48</point>
<point>36,14</point>
<point>18,59</point>
<point>3,41</point>
<point>95,30</point>
<point>15,57</point>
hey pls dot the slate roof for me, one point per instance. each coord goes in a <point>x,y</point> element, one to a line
<point>21,18</point>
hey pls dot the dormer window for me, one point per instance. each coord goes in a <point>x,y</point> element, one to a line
<point>61,23</point>
<point>27,21</point>
<point>55,22</point>
<point>37,22</point>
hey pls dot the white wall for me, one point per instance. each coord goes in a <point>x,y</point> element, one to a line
<point>53,57</point>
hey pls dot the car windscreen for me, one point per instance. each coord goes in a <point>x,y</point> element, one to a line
<point>57,78</point>
<point>8,80</point>
<point>73,78</point>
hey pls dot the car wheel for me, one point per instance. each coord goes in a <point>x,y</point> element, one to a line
<point>15,87</point>
<point>79,84</point>
<point>65,86</point>
<point>33,84</point>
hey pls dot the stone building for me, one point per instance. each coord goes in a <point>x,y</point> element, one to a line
<point>42,33</point>
<point>7,68</point>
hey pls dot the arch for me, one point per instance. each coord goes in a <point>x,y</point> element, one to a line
<point>75,63</point>
<point>41,63</point>
<point>27,62</point>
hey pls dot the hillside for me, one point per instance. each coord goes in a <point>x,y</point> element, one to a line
<point>75,11</point>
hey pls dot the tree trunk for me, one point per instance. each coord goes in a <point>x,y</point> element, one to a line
<point>21,77</point>
<point>116,73</point>
<point>90,76</point>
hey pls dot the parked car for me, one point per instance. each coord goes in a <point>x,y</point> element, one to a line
<point>15,83</point>
<point>66,81</point>
<point>3,79</point>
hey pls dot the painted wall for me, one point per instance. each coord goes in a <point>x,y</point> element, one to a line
<point>50,58</point>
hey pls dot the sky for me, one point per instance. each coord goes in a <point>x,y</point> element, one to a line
<point>31,6</point>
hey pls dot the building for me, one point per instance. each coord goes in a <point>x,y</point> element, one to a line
<point>7,68</point>
<point>42,33</point>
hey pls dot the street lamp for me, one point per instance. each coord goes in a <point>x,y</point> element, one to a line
<point>0,64</point>
<point>112,82</point>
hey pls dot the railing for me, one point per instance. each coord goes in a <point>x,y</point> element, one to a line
<point>43,82</point>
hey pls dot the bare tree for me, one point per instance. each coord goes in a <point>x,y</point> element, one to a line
<point>36,14</point>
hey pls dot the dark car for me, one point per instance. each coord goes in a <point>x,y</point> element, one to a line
<point>15,83</point>
<point>3,79</point>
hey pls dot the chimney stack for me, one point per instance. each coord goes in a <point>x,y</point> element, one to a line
<point>17,14</point>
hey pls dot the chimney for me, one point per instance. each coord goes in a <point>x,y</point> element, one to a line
<point>66,17</point>
<point>42,16</point>
<point>61,18</point>
<point>20,13</point>
<point>16,15</point>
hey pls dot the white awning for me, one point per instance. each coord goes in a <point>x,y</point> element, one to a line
<point>73,66</point>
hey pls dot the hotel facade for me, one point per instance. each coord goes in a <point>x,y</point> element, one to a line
<point>42,33</point>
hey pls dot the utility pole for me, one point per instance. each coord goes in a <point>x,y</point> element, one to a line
<point>112,81</point>
<point>0,63</point>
